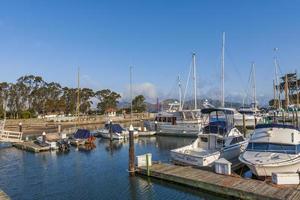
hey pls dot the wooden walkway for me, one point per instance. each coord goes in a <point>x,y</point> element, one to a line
<point>222,184</point>
<point>3,195</point>
<point>30,146</point>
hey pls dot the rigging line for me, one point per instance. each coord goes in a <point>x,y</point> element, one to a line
<point>187,83</point>
<point>227,52</point>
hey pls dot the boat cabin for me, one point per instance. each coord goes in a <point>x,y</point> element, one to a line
<point>174,117</point>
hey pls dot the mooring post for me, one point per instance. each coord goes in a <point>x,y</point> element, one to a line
<point>142,125</point>
<point>44,137</point>
<point>110,130</point>
<point>255,121</point>
<point>20,127</point>
<point>155,125</point>
<point>244,125</point>
<point>131,151</point>
<point>147,164</point>
<point>59,128</point>
<point>293,120</point>
<point>283,117</point>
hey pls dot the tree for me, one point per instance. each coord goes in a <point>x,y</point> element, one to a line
<point>138,104</point>
<point>108,100</point>
<point>85,99</point>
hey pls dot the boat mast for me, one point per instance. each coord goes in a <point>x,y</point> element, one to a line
<point>195,81</point>
<point>286,91</point>
<point>275,95</point>
<point>297,92</point>
<point>254,84</point>
<point>130,69</point>
<point>222,71</point>
<point>180,93</point>
<point>78,95</point>
<point>276,78</point>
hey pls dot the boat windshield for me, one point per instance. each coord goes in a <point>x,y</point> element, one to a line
<point>274,147</point>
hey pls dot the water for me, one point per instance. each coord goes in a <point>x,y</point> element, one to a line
<point>98,174</point>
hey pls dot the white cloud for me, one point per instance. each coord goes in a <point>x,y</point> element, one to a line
<point>148,90</point>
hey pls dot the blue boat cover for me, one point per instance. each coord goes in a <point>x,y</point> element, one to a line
<point>275,126</point>
<point>116,128</point>
<point>216,127</point>
<point>82,134</point>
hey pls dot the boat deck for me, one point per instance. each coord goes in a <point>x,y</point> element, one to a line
<point>233,186</point>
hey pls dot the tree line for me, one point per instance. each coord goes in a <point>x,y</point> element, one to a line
<point>31,96</point>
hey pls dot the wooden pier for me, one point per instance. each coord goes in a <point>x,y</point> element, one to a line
<point>222,184</point>
<point>30,146</point>
<point>3,195</point>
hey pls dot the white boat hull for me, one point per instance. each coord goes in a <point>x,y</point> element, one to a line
<point>230,153</point>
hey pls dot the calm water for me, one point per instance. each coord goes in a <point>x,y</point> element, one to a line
<point>98,174</point>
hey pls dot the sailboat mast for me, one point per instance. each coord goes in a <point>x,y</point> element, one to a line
<point>195,81</point>
<point>286,91</point>
<point>275,95</point>
<point>276,79</point>
<point>78,95</point>
<point>180,93</point>
<point>254,84</point>
<point>131,98</point>
<point>297,91</point>
<point>222,70</point>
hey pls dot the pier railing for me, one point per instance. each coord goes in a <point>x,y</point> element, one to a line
<point>10,136</point>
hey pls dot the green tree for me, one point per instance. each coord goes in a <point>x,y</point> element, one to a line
<point>138,104</point>
<point>108,99</point>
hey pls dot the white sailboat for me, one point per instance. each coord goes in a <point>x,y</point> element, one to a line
<point>219,139</point>
<point>176,120</point>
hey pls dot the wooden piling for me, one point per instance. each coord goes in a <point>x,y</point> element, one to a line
<point>155,126</point>
<point>20,127</point>
<point>297,119</point>
<point>142,126</point>
<point>110,130</point>
<point>131,152</point>
<point>244,125</point>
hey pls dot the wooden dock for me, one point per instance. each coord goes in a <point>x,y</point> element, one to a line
<point>30,146</point>
<point>3,195</point>
<point>225,185</point>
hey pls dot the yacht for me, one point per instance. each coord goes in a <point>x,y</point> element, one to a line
<point>273,148</point>
<point>218,139</point>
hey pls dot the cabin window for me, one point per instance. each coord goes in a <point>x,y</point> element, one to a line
<point>272,147</point>
<point>203,139</point>
<point>220,142</point>
<point>236,140</point>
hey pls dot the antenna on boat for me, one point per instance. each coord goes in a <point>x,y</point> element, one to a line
<point>195,80</point>
<point>180,93</point>
<point>222,70</point>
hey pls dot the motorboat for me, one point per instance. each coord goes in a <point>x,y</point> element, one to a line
<point>81,137</point>
<point>251,117</point>
<point>115,131</point>
<point>273,148</point>
<point>218,139</point>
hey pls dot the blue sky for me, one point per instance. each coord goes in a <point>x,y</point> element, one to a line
<point>103,38</point>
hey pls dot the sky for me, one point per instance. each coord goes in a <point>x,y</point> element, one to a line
<point>53,38</point>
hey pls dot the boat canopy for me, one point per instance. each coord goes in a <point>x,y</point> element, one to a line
<point>216,127</point>
<point>115,128</point>
<point>223,110</point>
<point>82,134</point>
<point>259,126</point>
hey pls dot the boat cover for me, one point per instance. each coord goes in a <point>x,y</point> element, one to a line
<point>82,134</point>
<point>116,128</point>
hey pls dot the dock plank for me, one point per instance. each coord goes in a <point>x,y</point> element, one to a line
<point>226,185</point>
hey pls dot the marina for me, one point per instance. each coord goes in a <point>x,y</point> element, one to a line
<point>193,100</point>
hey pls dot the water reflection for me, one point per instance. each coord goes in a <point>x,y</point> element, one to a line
<point>97,174</point>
